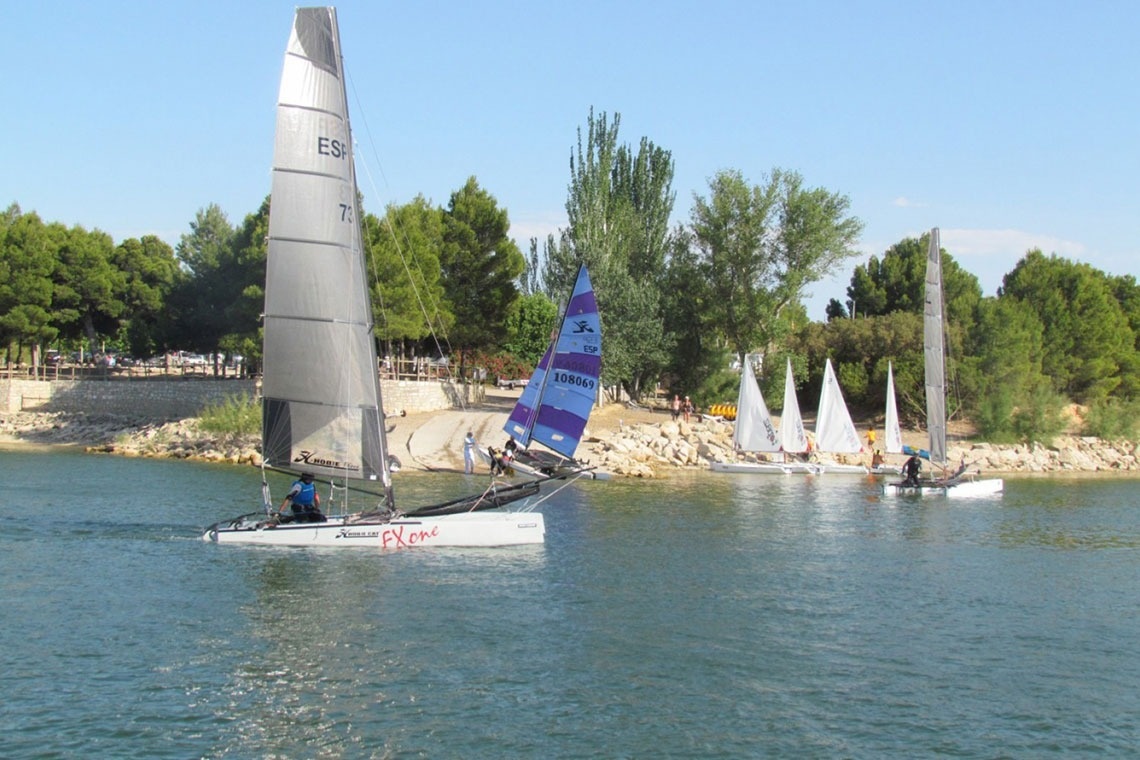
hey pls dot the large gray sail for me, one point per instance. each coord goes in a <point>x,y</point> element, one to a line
<point>321,389</point>
<point>935,353</point>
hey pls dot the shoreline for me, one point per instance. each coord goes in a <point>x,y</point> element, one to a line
<point>624,442</point>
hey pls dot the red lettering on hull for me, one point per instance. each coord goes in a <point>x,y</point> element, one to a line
<point>406,536</point>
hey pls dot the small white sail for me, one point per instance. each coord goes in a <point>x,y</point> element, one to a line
<point>834,430</point>
<point>793,437</point>
<point>893,431</point>
<point>754,430</point>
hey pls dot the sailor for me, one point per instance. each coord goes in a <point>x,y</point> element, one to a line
<point>911,470</point>
<point>304,500</point>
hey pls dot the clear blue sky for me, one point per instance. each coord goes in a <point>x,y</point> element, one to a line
<point>1009,125</point>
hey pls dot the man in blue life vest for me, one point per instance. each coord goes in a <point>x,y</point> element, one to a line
<point>305,500</point>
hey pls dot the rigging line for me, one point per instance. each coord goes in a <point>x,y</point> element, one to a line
<point>395,237</point>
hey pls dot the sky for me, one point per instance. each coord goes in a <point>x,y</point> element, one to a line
<point>1009,125</point>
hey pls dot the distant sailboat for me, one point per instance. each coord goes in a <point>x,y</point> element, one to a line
<point>892,431</point>
<point>960,483</point>
<point>835,432</point>
<point>894,444</point>
<point>793,435</point>
<point>753,431</point>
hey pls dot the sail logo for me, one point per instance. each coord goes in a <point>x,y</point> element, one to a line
<point>315,459</point>
<point>330,146</point>
<point>582,326</point>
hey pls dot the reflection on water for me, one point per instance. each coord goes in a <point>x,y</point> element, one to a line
<point>703,615</point>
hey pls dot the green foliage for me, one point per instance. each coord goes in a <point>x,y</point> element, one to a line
<point>1087,336</point>
<point>28,253</point>
<point>530,322</point>
<point>1113,419</point>
<point>480,264</point>
<point>759,246</point>
<point>618,207</point>
<point>235,416</point>
<point>1040,417</point>
<point>897,282</point>
<point>402,248</point>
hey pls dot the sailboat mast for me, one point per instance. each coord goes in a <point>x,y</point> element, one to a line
<point>935,353</point>
<point>374,416</point>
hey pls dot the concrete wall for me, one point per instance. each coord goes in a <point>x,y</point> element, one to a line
<point>172,399</point>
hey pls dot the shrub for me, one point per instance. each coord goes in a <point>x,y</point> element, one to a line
<point>1112,420</point>
<point>234,416</point>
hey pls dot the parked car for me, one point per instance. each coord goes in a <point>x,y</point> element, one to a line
<point>512,383</point>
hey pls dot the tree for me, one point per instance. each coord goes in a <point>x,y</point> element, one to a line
<point>1087,336</point>
<point>28,255</point>
<point>897,282</point>
<point>89,287</point>
<point>151,273</point>
<point>618,207</point>
<point>198,303</point>
<point>407,296</point>
<point>479,264</point>
<point>530,322</point>
<point>759,247</point>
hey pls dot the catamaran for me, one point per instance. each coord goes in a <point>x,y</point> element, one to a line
<point>322,411</point>
<point>556,403</point>
<point>960,483</point>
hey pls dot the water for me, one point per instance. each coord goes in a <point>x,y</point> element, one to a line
<point>706,616</point>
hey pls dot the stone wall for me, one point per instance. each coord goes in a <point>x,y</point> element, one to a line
<point>178,398</point>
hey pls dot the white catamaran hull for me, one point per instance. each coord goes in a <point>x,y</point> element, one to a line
<point>472,529</point>
<point>966,489</point>
<point>751,468</point>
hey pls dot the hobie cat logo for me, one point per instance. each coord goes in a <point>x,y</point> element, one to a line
<point>313,458</point>
<point>582,326</point>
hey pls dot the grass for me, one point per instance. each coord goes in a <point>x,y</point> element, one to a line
<point>234,416</point>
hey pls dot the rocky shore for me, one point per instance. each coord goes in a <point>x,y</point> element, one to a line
<point>647,449</point>
<point>623,442</point>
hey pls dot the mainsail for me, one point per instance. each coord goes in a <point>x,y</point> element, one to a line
<point>753,430</point>
<point>793,437</point>
<point>321,388</point>
<point>935,353</point>
<point>894,442</point>
<point>554,406</point>
<point>834,430</point>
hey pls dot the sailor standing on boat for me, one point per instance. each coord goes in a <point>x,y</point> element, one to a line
<point>305,500</point>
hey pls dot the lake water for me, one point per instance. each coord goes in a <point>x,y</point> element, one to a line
<point>702,616</point>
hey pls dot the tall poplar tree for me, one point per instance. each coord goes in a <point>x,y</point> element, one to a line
<point>618,206</point>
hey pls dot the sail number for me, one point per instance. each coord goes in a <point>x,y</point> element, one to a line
<point>330,146</point>
<point>565,378</point>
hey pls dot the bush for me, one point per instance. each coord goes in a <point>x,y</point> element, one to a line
<point>1112,420</point>
<point>237,416</point>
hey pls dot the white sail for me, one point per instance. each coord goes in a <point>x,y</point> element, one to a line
<point>793,437</point>
<point>321,387</point>
<point>754,430</point>
<point>935,354</point>
<point>834,430</point>
<point>894,442</point>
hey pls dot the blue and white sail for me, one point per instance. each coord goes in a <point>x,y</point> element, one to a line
<point>556,403</point>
